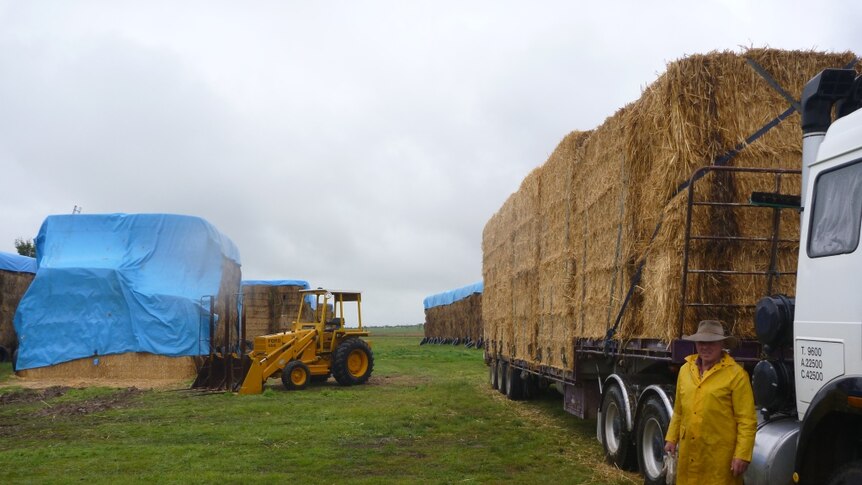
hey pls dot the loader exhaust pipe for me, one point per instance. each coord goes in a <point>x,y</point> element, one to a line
<point>818,97</point>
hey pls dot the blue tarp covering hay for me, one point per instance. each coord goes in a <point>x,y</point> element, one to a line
<point>123,283</point>
<point>455,314</point>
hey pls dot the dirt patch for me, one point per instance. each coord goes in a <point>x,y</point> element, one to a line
<point>398,380</point>
<point>27,397</point>
<point>117,400</point>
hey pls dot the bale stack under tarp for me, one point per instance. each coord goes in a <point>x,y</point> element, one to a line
<point>455,314</point>
<point>16,274</point>
<point>596,235</point>
<point>125,294</point>
<point>271,306</point>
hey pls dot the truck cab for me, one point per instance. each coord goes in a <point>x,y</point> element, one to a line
<point>811,404</point>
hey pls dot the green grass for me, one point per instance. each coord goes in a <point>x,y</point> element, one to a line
<point>427,415</point>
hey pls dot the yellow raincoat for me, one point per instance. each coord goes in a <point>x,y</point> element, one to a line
<point>714,421</point>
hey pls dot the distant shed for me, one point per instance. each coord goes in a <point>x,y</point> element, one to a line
<point>455,313</point>
<point>16,274</point>
<point>124,295</point>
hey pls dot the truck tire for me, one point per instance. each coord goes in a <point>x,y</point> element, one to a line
<point>652,426</point>
<point>4,354</point>
<point>352,362</point>
<point>501,375</point>
<point>851,473</point>
<point>616,438</point>
<point>514,384</point>
<point>295,376</point>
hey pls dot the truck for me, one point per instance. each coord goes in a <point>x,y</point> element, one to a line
<point>805,359</point>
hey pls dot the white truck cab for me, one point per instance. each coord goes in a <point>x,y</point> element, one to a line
<point>809,388</point>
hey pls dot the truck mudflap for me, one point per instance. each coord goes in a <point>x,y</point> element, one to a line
<point>828,436</point>
<point>774,452</point>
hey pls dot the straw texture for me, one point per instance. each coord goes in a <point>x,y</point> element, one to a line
<point>560,255</point>
<point>13,285</point>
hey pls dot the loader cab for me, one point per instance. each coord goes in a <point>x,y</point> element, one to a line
<point>335,313</point>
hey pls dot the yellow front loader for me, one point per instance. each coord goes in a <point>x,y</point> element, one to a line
<point>312,350</point>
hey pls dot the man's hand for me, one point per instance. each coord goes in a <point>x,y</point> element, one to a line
<point>670,447</point>
<point>737,466</point>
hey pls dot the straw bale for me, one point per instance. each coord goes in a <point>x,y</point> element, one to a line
<point>497,268</point>
<point>460,319</point>
<point>226,299</point>
<point>13,285</point>
<point>128,366</point>
<point>614,199</point>
<point>271,308</point>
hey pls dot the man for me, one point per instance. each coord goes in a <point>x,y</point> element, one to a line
<point>714,419</point>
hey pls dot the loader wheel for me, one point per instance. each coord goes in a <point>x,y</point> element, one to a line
<point>353,362</point>
<point>295,376</point>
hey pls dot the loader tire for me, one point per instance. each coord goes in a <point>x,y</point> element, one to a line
<point>353,362</point>
<point>295,376</point>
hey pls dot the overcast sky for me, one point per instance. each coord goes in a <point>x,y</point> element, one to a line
<point>356,144</point>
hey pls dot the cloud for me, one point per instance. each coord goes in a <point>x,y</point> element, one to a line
<point>360,145</point>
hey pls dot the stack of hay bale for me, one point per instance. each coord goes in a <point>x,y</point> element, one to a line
<point>455,315</point>
<point>125,297</point>
<point>16,274</point>
<point>593,240</point>
<point>271,306</point>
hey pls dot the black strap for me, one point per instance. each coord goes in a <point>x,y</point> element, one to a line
<point>772,82</point>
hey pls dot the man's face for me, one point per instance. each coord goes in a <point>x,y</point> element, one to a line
<point>709,352</point>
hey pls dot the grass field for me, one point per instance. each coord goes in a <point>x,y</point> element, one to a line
<point>427,415</point>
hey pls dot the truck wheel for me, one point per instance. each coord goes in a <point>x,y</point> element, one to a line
<point>501,375</point>
<point>295,376</point>
<point>616,438</point>
<point>514,384</point>
<point>353,362</point>
<point>848,474</point>
<point>4,354</point>
<point>651,430</point>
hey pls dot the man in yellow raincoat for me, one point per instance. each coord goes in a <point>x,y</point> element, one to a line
<point>714,418</point>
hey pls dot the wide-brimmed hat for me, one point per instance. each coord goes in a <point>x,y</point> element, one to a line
<point>711,331</point>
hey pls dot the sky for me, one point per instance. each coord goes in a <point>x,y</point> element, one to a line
<point>357,145</point>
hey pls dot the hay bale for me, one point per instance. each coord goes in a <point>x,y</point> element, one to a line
<point>626,209</point>
<point>455,314</point>
<point>272,306</point>
<point>13,285</point>
<point>130,366</point>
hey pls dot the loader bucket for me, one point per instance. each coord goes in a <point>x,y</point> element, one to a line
<point>220,372</point>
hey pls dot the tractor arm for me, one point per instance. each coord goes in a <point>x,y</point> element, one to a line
<point>264,365</point>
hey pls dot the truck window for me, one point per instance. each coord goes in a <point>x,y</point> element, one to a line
<point>837,213</point>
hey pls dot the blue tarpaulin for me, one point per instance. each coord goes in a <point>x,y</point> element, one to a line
<point>116,283</point>
<point>17,263</point>
<point>451,296</point>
